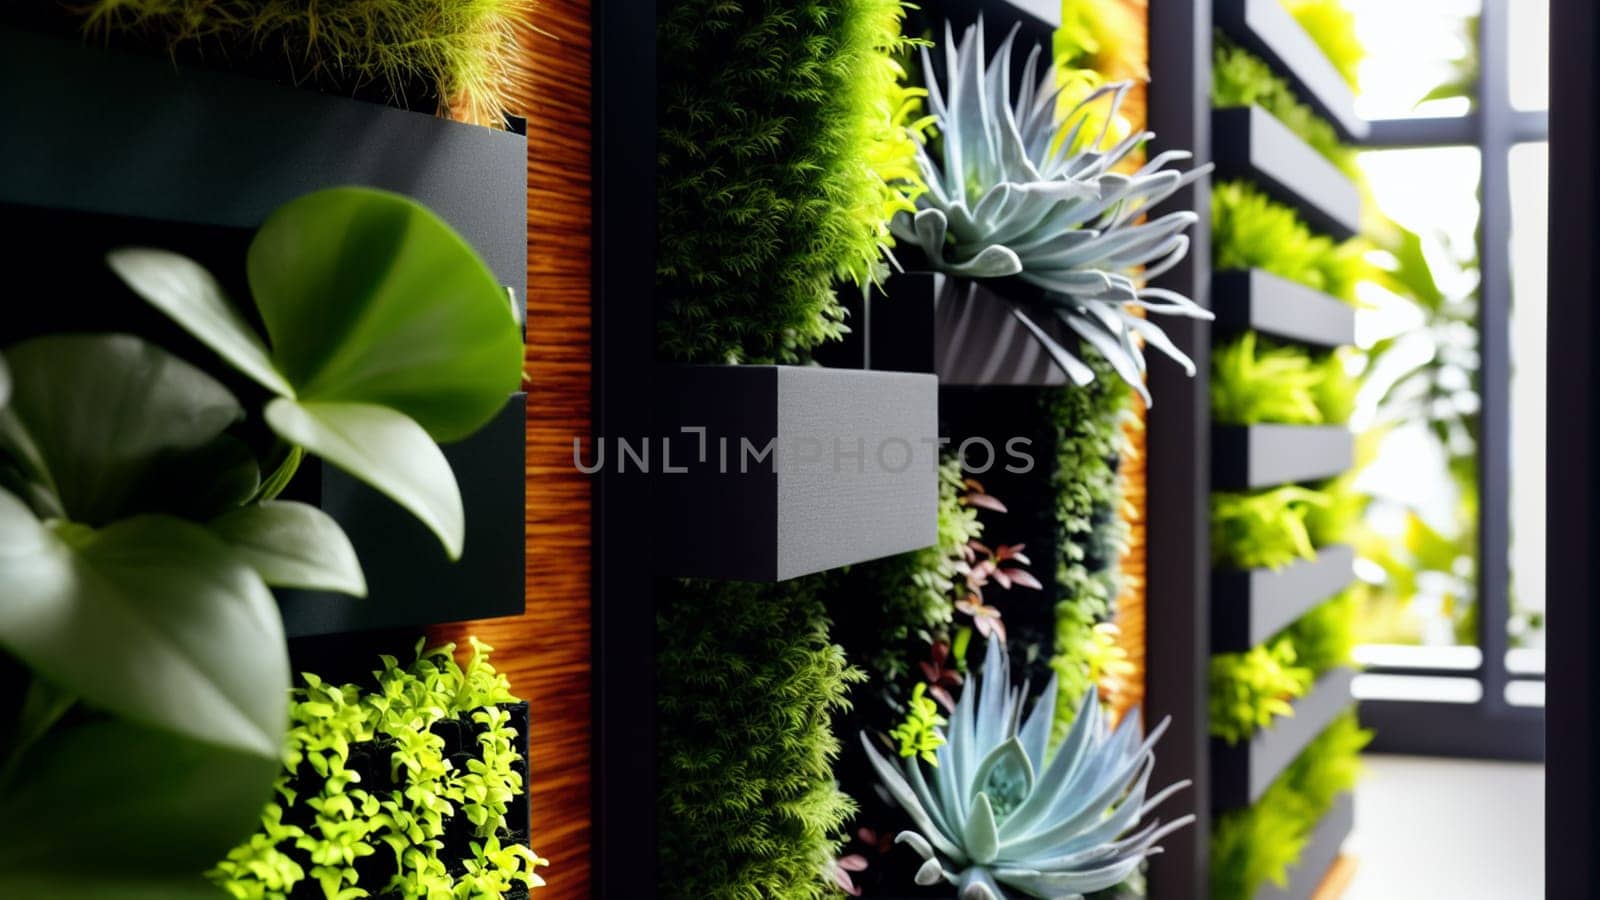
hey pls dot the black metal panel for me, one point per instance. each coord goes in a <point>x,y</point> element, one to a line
<point>410,581</point>
<point>1275,306</point>
<point>623,844</point>
<point>1319,854</point>
<point>1572,580</point>
<point>1241,773</point>
<point>120,134</point>
<point>1269,31</point>
<point>1177,600</point>
<point>1258,456</point>
<point>1250,607</point>
<point>1425,728</point>
<point>1249,142</point>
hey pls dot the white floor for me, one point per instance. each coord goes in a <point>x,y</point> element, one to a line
<point>1435,829</point>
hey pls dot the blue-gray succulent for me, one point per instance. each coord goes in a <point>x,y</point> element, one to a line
<point>1003,812</point>
<point>1010,195</point>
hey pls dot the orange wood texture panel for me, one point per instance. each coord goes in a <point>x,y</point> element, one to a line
<point>545,652</point>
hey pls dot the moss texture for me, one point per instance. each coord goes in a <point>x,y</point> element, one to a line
<point>747,682</point>
<point>1250,230</point>
<point>1090,532</point>
<point>782,156</point>
<point>1250,847</point>
<point>460,50</point>
<point>1240,78</point>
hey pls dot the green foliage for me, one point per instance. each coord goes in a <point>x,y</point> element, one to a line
<point>368,772</point>
<point>913,592</point>
<point>1250,847</point>
<point>1263,529</point>
<point>747,679</point>
<point>919,733</point>
<point>142,536</point>
<point>459,49</point>
<point>1090,532</point>
<point>1005,199</point>
<point>1252,231</point>
<point>1240,78</point>
<point>1337,520</point>
<point>785,146</point>
<point>1250,689</point>
<point>1255,381</point>
<point>1333,27</point>
<point>992,812</point>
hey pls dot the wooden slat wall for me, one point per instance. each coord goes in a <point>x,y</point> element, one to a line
<point>546,651</point>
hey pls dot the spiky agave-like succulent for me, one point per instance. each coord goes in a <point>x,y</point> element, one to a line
<point>1001,811</point>
<point>1016,192</point>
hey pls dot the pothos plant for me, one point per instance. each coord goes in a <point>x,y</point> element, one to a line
<point>141,525</point>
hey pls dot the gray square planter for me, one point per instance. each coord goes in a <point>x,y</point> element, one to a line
<point>1241,773</point>
<point>1249,607</point>
<point>1250,142</point>
<point>1269,31</point>
<point>1255,300</point>
<point>850,476</point>
<point>1259,456</point>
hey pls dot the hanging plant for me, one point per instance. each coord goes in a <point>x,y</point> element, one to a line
<point>1014,192</point>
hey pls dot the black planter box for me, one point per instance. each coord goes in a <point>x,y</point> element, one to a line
<point>107,149</point>
<point>1255,300</point>
<point>1319,855</point>
<point>1250,607</point>
<point>852,475</point>
<point>957,328</point>
<point>1269,31</point>
<point>410,580</point>
<point>1242,772</point>
<point>1258,456</point>
<point>1250,142</point>
<point>97,131</point>
<point>1038,17</point>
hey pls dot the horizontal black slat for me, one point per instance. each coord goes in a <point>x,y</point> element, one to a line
<point>1269,31</point>
<point>1257,300</point>
<point>1242,772</point>
<point>1248,142</point>
<point>1258,456</point>
<point>853,477</point>
<point>1319,855</point>
<point>1250,607</point>
<point>120,134</point>
<point>1037,17</point>
<point>1460,730</point>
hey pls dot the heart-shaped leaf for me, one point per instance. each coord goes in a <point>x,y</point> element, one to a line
<point>293,545</point>
<point>101,417</point>
<point>385,449</point>
<point>369,297</point>
<point>160,809</point>
<point>152,618</point>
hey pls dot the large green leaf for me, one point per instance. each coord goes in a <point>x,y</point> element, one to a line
<point>100,418</point>
<point>371,298</point>
<point>151,618</point>
<point>384,448</point>
<point>109,810</point>
<point>184,290</point>
<point>293,545</point>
